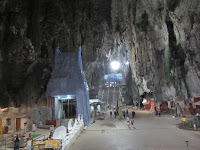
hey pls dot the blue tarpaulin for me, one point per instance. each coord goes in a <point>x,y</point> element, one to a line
<point>68,79</point>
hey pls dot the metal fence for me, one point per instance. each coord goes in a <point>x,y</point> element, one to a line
<point>7,141</point>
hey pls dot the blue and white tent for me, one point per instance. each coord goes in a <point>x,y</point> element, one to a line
<point>68,79</point>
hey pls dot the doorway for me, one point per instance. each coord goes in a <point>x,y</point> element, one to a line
<point>18,124</point>
<point>69,108</point>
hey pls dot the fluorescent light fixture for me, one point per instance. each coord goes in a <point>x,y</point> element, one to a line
<point>115,65</point>
<point>66,96</point>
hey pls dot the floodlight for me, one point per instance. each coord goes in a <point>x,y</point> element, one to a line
<point>115,65</point>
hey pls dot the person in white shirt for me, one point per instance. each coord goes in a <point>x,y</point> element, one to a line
<point>33,126</point>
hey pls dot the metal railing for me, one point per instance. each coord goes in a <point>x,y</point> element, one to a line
<point>5,142</point>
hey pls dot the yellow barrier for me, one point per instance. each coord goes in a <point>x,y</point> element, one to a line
<point>184,119</point>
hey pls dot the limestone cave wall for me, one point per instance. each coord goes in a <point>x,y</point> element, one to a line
<point>160,38</point>
<point>165,48</point>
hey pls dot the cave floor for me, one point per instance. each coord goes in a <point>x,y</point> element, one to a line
<point>149,132</point>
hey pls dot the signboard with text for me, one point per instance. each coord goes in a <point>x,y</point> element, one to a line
<point>53,144</point>
<point>46,144</point>
<point>38,142</point>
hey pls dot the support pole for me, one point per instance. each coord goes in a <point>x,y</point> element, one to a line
<point>62,110</point>
<point>68,108</point>
<point>71,109</point>
<point>76,110</point>
<point>5,143</point>
<point>108,94</point>
<point>50,101</point>
<point>47,101</point>
<point>139,103</point>
<point>53,99</point>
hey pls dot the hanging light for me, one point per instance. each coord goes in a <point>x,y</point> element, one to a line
<point>115,65</point>
<point>68,96</point>
<point>127,62</point>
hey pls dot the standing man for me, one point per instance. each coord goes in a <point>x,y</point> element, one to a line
<point>29,141</point>
<point>33,126</point>
<point>17,143</point>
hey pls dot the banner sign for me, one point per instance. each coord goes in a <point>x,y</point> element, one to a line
<point>53,144</point>
<point>38,143</point>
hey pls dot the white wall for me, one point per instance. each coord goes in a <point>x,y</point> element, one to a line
<point>58,109</point>
<point>23,120</point>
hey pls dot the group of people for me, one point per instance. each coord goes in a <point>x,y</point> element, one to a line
<point>116,113</point>
<point>17,142</point>
<point>125,113</point>
<point>29,139</point>
<point>130,122</point>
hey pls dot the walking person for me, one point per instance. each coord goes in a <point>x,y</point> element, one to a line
<point>115,114</point>
<point>133,114</point>
<point>156,112</point>
<point>127,112</point>
<point>128,121</point>
<point>124,114</point>
<point>110,114</point>
<point>16,143</point>
<point>132,121</point>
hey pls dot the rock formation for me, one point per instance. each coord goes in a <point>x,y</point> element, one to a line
<point>160,38</point>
